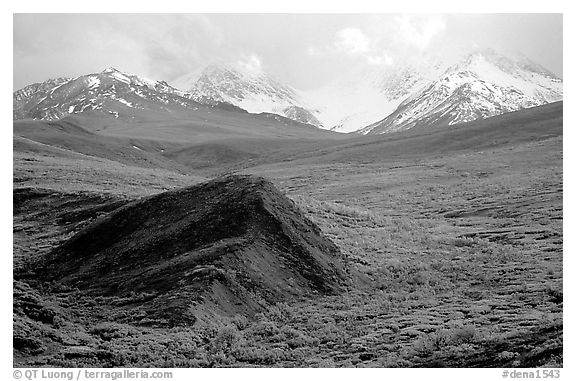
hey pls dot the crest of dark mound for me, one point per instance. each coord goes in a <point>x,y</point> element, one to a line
<point>231,245</point>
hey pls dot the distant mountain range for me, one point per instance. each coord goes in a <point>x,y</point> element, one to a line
<point>406,95</point>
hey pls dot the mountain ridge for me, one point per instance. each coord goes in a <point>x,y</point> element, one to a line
<point>109,91</point>
<point>410,94</point>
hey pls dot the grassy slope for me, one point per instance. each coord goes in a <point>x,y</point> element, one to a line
<point>202,125</point>
<point>457,245</point>
<point>231,154</point>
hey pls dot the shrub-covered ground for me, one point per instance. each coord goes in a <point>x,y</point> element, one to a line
<point>457,261</point>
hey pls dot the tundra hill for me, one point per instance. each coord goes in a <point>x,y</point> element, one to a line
<point>61,138</point>
<point>194,126</point>
<point>210,152</point>
<point>265,155</point>
<point>178,141</point>
<point>510,129</point>
<point>228,246</point>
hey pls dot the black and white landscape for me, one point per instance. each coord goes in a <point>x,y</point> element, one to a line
<point>405,212</point>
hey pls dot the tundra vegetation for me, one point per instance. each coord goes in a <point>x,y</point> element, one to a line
<point>454,257</point>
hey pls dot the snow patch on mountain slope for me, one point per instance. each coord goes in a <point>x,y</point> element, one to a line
<point>125,102</point>
<point>116,74</point>
<point>93,82</point>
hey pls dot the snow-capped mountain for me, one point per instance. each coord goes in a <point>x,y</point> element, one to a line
<point>421,93</point>
<point>484,84</point>
<point>28,97</point>
<point>250,90</point>
<point>109,91</point>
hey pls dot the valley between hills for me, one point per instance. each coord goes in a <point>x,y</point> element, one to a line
<point>217,238</point>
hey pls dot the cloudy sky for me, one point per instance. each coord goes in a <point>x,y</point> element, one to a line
<point>305,50</point>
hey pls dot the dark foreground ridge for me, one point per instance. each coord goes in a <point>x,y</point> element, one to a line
<point>227,246</point>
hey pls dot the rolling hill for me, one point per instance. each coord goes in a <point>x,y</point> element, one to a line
<point>186,146</point>
<point>232,245</point>
<point>511,129</point>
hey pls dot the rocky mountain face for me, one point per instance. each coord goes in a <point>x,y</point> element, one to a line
<point>109,91</point>
<point>28,97</point>
<point>484,84</point>
<point>253,91</point>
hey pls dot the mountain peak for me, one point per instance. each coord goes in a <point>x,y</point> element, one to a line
<point>109,70</point>
<point>110,91</point>
<point>245,85</point>
<point>236,71</point>
<point>509,62</point>
<point>217,67</point>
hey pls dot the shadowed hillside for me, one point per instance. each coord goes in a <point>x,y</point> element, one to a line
<point>232,245</point>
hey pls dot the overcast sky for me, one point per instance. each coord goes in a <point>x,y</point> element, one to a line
<point>305,50</point>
